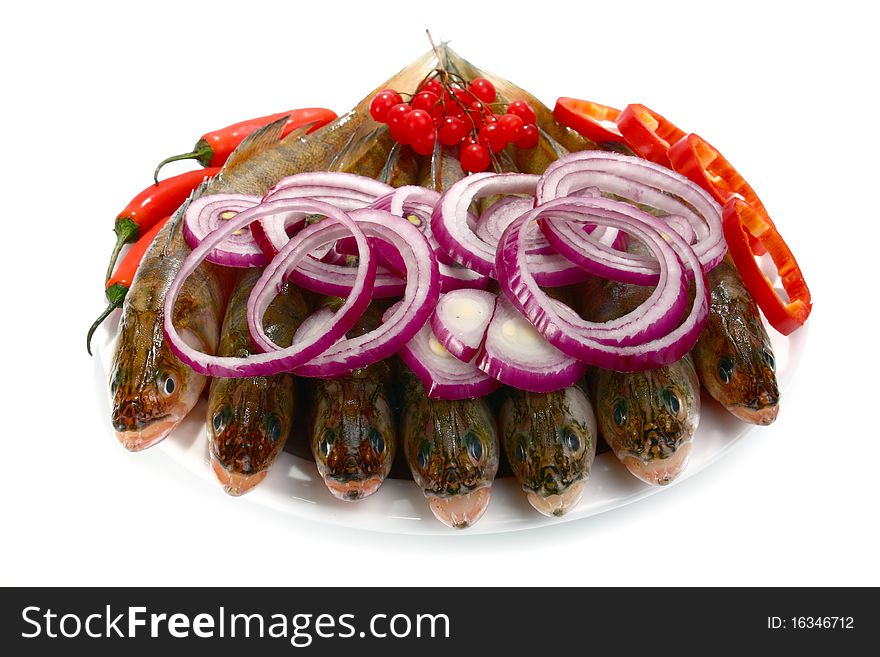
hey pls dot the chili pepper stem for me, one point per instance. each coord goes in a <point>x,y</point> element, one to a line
<point>126,231</point>
<point>202,153</point>
<point>116,295</point>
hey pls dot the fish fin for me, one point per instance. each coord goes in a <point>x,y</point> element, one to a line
<point>366,152</point>
<point>393,158</point>
<point>298,133</point>
<point>256,142</point>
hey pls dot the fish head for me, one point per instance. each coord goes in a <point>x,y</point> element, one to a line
<point>354,438</point>
<point>738,366</point>
<point>150,389</point>
<point>550,442</point>
<point>649,418</point>
<point>248,422</point>
<point>456,460</point>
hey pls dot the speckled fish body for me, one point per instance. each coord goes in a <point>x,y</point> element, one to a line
<point>647,418</point>
<point>733,357</point>
<point>451,448</point>
<point>250,418</point>
<point>151,390</point>
<point>550,442</point>
<point>353,433</point>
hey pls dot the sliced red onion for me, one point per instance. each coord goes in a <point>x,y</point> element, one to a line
<point>501,214</point>
<point>455,234</point>
<point>337,225</point>
<point>514,353</point>
<point>346,191</point>
<point>461,319</point>
<point>451,222</point>
<point>416,205</point>
<point>340,189</point>
<point>650,335</point>
<point>405,319</point>
<point>643,182</point>
<point>442,375</point>
<point>338,280</point>
<point>206,213</point>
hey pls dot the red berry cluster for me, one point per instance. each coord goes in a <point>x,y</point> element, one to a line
<point>456,115</point>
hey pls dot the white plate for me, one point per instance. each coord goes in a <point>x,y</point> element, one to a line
<point>294,487</point>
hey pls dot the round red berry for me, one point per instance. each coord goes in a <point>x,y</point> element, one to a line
<point>395,118</point>
<point>482,89</point>
<point>424,145</point>
<point>417,124</point>
<point>474,158</point>
<point>434,86</point>
<point>382,102</point>
<point>428,101</point>
<point>523,110</point>
<point>529,138</point>
<point>511,126</point>
<point>491,135</point>
<point>452,131</point>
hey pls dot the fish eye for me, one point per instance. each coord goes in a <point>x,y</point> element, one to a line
<point>725,369</point>
<point>520,451</point>
<point>769,359</point>
<point>327,441</point>
<point>377,442</point>
<point>273,427</point>
<point>670,399</point>
<point>474,447</point>
<point>620,413</point>
<point>572,441</point>
<point>167,384</point>
<point>221,420</point>
<point>424,454</point>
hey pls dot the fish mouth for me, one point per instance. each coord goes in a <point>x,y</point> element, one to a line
<point>558,504</point>
<point>155,432</point>
<point>236,483</point>
<point>353,490</point>
<point>762,416</point>
<point>460,511</point>
<point>658,472</point>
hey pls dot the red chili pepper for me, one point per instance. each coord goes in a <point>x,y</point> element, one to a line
<point>155,202</point>
<point>214,148</point>
<point>741,222</point>
<point>648,134</point>
<point>592,120</point>
<point>118,285</point>
<point>694,157</point>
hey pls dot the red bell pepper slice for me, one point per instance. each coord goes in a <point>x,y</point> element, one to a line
<point>697,159</point>
<point>741,222</point>
<point>647,133</point>
<point>592,120</point>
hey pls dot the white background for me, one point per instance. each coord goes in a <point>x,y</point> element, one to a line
<point>95,94</point>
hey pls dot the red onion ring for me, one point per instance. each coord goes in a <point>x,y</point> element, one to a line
<point>461,320</point>
<point>416,202</point>
<point>518,356</point>
<point>456,236</point>
<point>650,335</point>
<point>442,375</point>
<point>337,225</point>
<point>205,214</point>
<point>644,182</point>
<point>404,319</point>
